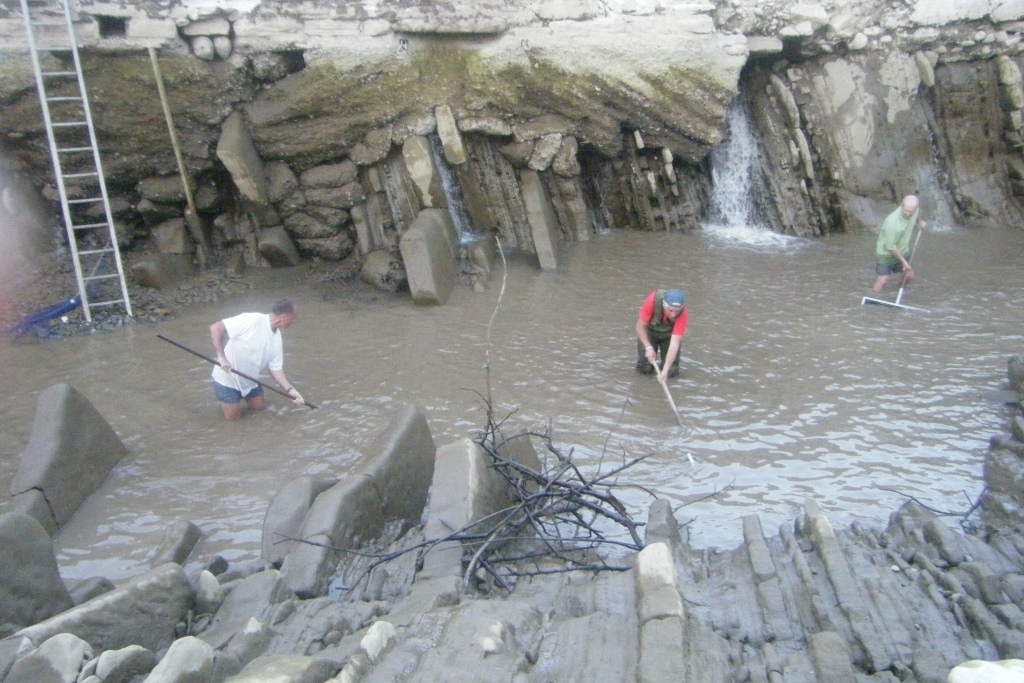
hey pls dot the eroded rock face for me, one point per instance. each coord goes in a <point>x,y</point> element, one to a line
<point>616,105</point>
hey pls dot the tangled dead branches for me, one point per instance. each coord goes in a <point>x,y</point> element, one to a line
<point>556,517</point>
<point>556,512</point>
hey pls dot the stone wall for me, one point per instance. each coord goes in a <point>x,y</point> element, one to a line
<point>616,105</point>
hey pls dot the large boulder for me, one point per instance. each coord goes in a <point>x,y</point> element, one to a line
<point>428,252</point>
<point>285,514</point>
<point>391,486</point>
<point>143,612</point>
<point>70,452</point>
<point>30,585</point>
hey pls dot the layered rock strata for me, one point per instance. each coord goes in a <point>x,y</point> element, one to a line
<point>338,125</point>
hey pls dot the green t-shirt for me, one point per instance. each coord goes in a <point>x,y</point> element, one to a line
<point>894,233</point>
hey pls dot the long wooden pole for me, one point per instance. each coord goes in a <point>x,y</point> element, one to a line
<point>240,374</point>
<point>191,216</point>
<point>668,395</point>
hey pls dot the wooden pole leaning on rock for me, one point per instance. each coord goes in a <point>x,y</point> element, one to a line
<point>191,216</point>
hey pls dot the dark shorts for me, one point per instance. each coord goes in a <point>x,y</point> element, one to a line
<point>889,270</point>
<point>232,395</point>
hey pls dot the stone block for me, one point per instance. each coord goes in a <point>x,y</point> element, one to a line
<point>31,589</point>
<point>155,213</point>
<point>419,162</point>
<point>391,486</point>
<point>830,658</point>
<point>429,257</point>
<point>341,197</point>
<point>334,248</point>
<point>329,175</point>
<point>374,148</point>
<point>162,270</point>
<point>542,219</point>
<point>87,589</point>
<point>249,599</point>
<point>466,488</point>
<point>565,162</point>
<point>277,247</point>
<point>661,651</point>
<point>143,612</point>
<point>162,189</point>
<point>281,181</point>
<point>285,514</point>
<point>764,45</point>
<point>120,666</point>
<point>381,272</point>
<point>237,152</point>
<point>58,659</point>
<point>451,138</point>
<point>657,595</point>
<point>361,224</point>
<point>544,150</point>
<point>757,550</point>
<point>284,668</point>
<point>178,542</point>
<point>482,254</point>
<point>188,659</point>
<point>70,452</point>
<point>171,237</point>
<point>662,526</point>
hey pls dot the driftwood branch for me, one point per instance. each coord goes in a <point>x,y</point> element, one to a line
<point>942,513</point>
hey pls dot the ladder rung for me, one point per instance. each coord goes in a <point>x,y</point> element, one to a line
<point>59,73</point>
<point>69,124</point>
<point>54,48</point>
<point>64,99</point>
<point>91,226</point>
<point>81,175</point>
<point>106,303</point>
<point>51,24</point>
<point>87,200</point>
<point>90,278</point>
<point>75,149</point>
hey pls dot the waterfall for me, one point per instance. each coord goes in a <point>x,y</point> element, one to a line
<point>934,187</point>
<point>452,193</point>
<point>734,175</point>
<point>732,172</point>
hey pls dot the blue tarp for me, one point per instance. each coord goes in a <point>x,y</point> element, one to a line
<point>33,320</point>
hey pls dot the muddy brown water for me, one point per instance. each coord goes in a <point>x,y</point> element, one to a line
<point>790,389</point>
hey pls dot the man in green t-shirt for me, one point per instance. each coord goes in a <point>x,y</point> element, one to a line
<point>892,250</point>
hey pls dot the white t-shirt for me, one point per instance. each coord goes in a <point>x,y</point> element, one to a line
<point>252,346</point>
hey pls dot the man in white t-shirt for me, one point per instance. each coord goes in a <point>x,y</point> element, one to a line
<point>250,342</point>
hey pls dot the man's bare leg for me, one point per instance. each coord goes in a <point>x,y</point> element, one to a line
<point>880,283</point>
<point>257,402</point>
<point>232,411</point>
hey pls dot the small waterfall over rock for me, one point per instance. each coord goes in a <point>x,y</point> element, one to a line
<point>452,193</point>
<point>733,164</point>
<point>934,187</point>
<point>735,169</point>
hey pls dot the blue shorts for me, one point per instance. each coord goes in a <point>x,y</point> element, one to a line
<point>889,270</point>
<point>232,395</point>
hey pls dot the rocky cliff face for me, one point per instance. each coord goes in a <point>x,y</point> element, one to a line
<point>335,121</point>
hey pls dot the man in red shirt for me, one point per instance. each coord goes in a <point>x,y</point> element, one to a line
<point>659,331</point>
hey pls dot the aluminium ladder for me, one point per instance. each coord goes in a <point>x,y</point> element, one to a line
<point>74,152</point>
